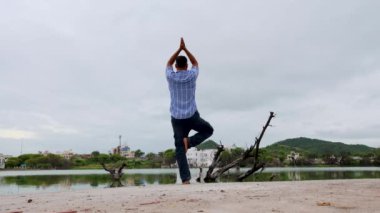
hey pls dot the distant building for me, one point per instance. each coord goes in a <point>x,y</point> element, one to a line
<point>200,158</point>
<point>318,161</point>
<point>124,151</point>
<point>116,150</point>
<point>357,158</point>
<point>127,152</point>
<point>68,154</point>
<point>85,156</point>
<point>44,153</point>
<point>293,156</point>
<point>3,160</point>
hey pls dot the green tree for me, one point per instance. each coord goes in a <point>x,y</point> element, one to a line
<point>153,160</point>
<point>237,152</point>
<point>134,163</point>
<point>225,158</point>
<point>103,158</point>
<point>330,159</point>
<point>116,157</point>
<point>169,157</point>
<point>376,160</point>
<point>267,157</point>
<point>303,161</point>
<point>35,162</point>
<point>281,158</point>
<point>95,153</point>
<point>151,156</point>
<point>94,157</point>
<point>139,153</point>
<point>365,161</point>
<point>23,158</point>
<point>47,162</point>
<point>78,161</point>
<point>311,156</point>
<point>161,158</point>
<point>347,161</point>
<point>13,162</point>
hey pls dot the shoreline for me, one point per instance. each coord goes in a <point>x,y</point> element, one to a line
<point>354,195</point>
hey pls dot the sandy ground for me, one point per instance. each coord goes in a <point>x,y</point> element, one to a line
<point>298,196</point>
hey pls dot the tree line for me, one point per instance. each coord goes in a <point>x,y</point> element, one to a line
<point>284,157</point>
<point>271,157</point>
<point>54,161</point>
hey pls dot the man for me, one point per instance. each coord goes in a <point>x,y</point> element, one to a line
<point>183,109</point>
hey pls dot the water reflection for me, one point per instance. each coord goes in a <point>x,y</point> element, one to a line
<point>93,180</point>
<point>299,175</point>
<point>19,183</point>
<point>26,184</point>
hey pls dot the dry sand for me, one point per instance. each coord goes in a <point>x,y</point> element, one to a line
<point>298,196</point>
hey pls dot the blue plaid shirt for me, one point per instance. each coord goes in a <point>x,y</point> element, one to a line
<point>182,92</point>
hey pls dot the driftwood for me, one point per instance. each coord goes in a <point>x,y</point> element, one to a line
<point>115,173</point>
<point>250,153</point>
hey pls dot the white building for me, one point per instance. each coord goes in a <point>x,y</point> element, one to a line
<point>3,159</point>
<point>293,156</point>
<point>67,154</point>
<point>200,158</point>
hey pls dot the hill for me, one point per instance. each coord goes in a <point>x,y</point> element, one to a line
<point>209,144</point>
<point>318,147</point>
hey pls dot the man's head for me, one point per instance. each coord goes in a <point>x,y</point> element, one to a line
<point>181,62</point>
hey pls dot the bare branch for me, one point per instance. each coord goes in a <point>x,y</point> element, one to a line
<point>215,163</point>
<point>251,152</point>
<point>115,173</point>
<point>254,169</point>
<point>120,171</point>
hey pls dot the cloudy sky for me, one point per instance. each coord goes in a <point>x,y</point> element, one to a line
<point>77,74</point>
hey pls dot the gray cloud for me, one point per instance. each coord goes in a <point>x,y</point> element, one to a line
<point>75,75</point>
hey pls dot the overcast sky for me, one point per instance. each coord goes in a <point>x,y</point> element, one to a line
<point>77,74</point>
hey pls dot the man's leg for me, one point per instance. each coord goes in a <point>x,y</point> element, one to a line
<point>181,130</point>
<point>203,128</point>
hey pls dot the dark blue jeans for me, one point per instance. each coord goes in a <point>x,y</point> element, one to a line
<point>181,128</point>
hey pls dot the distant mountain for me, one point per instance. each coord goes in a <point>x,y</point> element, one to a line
<point>209,144</point>
<point>318,147</point>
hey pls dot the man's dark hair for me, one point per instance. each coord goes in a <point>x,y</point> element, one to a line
<point>181,61</point>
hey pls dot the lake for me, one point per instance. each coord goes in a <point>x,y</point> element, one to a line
<point>22,182</point>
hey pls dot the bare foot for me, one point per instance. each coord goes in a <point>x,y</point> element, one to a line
<point>186,144</point>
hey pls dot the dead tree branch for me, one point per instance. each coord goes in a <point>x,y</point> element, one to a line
<point>254,169</point>
<point>251,152</point>
<point>256,164</point>
<point>215,162</point>
<point>115,173</point>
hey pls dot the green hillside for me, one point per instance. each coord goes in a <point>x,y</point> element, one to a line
<point>209,144</point>
<point>318,147</point>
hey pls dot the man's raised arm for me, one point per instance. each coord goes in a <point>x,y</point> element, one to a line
<point>173,57</point>
<point>192,59</point>
<point>176,53</point>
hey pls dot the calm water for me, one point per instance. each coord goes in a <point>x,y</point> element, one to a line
<point>21,182</point>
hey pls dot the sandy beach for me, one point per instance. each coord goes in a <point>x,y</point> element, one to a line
<point>298,196</point>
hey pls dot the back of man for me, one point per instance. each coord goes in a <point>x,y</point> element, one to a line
<point>183,108</point>
<point>182,87</point>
